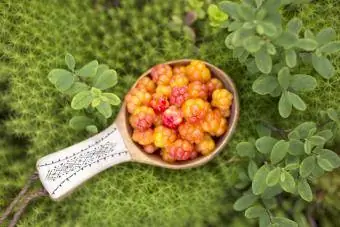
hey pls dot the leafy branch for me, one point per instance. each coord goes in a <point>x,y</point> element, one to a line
<point>85,87</point>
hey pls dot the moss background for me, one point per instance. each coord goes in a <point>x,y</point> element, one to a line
<point>132,37</point>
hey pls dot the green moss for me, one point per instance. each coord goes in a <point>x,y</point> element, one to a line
<point>130,38</point>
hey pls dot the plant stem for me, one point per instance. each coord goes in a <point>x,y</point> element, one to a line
<point>283,133</point>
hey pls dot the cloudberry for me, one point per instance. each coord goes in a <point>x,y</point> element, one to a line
<point>158,120</point>
<point>197,89</point>
<point>163,90</point>
<point>161,74</point>
<point>142,118</point>
<point>178,69</point>
<point>214,84</point>
<point>143,137</point>
<point>172,117</point>
<point>135,98</point>
<point>180,150</point>
<point>206,146</point>
<point>197,71</point>
<point>191,132</point>
<point>151,148</point>
<point>179,80</point>
<point>159,103</point>
<point>147,84</point>
<point>164,136</point>
<point>214,123</point>
<point>195,110</point>
<point>179,95</point>
<point>222,99</point>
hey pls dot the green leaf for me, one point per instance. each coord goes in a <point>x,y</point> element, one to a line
<point>255,211</point>
<point>273,177</point>
<point>246,12</point>
<point>265,144</point>
<point>304,190</point>
<point>331,47</point>
<point>240,35</point>
<point>279,151</point>
<point>101,68</point>
<point>235,25</point>
<point>253,44</point>
<point>288,184</point>
<point>308,147</point>
<point>302,82</point>
<point>263,130</point>
<point>259,3</point>
<point>317,140</point>
<point>88,70</point>
<point>70,62</point>
<point>95,102</point>
<point>308,34</point>
<point>264,220</point>
<point>284,77</point>
<point>266,28</point>
<point>112,99</point>
<point>333,115</point>
<point>92,129</point>
<point>245,201</point>
<point>271,192</point>
<point>265,85</point>
<point>245,149</point>
<point>287,40</point>
<point>325,164</point>
<point>307,166</point>
<point>80,122</point>
<point>294,25</point>
<point>285,106</point>
<point>325,36</point>
<point>307,44</point>
<point>284,222</point>
<point>271,49</point>
<point>292,166</point>
<point>230,8</point>
<point>323,66</point>
<point>61,78</point>
<point>296,147</point>
<point>297,102</point>
<point>263,61</point>
<point>291,58</point>
<point>331,156</point>
<point>96,92</point>
<point>105,109</point>
<point>228,41</point>
<point>261,14</point>
<point>303,130</point>
<point>259,181</point>
<point>106,80</point>
<point>326,134</point>
<point>76,88</point>
<point>252,168</point>
<point>82,100</point>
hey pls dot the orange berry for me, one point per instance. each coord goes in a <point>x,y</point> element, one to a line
<point>172,117</point>
<point>158,120</point>
<point>161,74</point>
<point>179,69</point>
<point>135,98</point>
<point>197,71</point>
<point>166,157</point>
<point>180,150</point>
<point>222,99</point>
<point>179,95</point>
<point>147,84</point>
<point>164,136</point>
<point>151,148</point>
<point>143,137</point>
<point>195,110</point>
<point>159,103</point>
<point>179,80</point>
<point>206,146</point>
<point>142,118</point>
<point>214,84</point>
<point>163,90</point>
<point>197,89</point>
<point>214,123</point>
<point>192,133</point>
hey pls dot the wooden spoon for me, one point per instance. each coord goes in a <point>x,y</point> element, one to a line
<point>63,171</point>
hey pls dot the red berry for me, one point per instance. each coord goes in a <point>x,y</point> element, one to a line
<point>197,89</point>
<point>143,137</point>
<point>191,132</point>
<point>172,117</point>
<point>195,110</point>
<point>159,103</point>
<point>179,95</point>
<point>180,150</point>
<point>161,74</point>
<point>142,118</point>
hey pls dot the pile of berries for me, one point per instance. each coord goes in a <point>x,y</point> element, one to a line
<point>179,111</point>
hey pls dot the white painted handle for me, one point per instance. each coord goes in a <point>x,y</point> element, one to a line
<point>63,171</point>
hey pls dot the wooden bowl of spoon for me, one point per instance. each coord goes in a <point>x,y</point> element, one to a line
<point>63,171</point>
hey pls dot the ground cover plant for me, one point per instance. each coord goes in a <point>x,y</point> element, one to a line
<point>130,36</point>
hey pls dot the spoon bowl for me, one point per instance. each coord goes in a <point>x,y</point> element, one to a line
<point>63,171</point>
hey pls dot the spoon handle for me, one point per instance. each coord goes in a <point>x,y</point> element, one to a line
<point>63,171</point>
